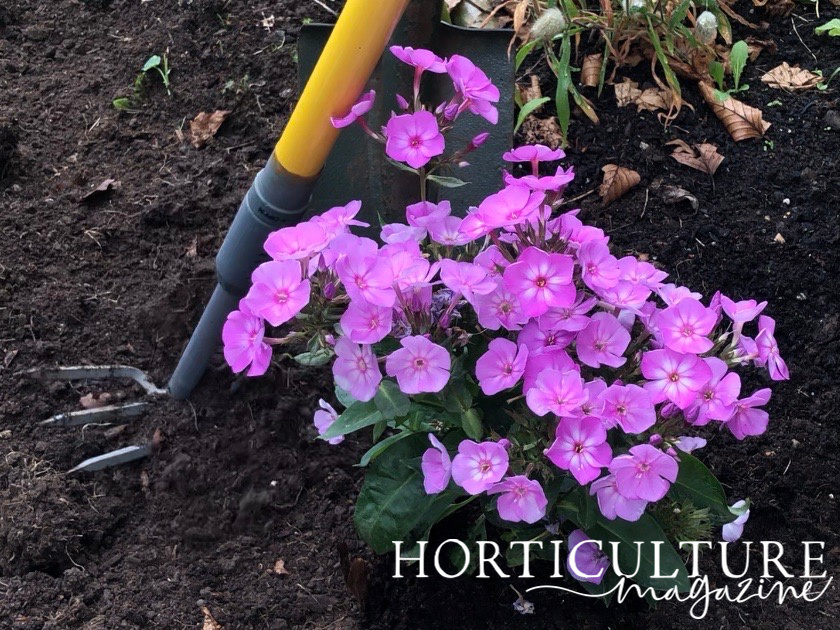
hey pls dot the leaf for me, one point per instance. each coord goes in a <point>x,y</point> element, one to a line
<point>314,359</point>
<point>590,71</point>
<point>738,60</point>
<point>627,534</point>
<point>401,166</point>
<point>380,447</point>
<point>471,423</point>
<point>98,193</point>
<point>790,78</point>
<point>204,126</point>
<point>697,484</point>
<point>446,182</point>
<point>626,92</point>
<point>520,15</point>
<point>617,181</point>
<point>151,62</point>
<point>344,397</point>
<point>832,28</point>
<point>357,416</point>
<point>528,108</point>
<point>741,121</point>
<point>393,503</point>
<point>354,572</point>
<point>121,104</point>
<point>653,99</point>
<point>675,194</point>
<point>704,157</point>
<point>716,71</point>
<point>390,401</point>
<point>523,52</point>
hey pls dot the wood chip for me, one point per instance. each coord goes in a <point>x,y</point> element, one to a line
<point>791,78</point>
<point>741,121</point>
<point>204,126</point>
<point>617,181</point>
<point>675,194</point>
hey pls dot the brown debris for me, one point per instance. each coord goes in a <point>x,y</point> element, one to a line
<point>702,157</point>
<point>741,121</point>
<point>791,78</point>
<point>617,181</point>
<point>590,71</point>
<point>204,126</point>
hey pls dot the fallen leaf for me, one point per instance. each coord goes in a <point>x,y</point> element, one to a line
<point>355,573</point>
<point>531,92</point>
<point>520,16</point>
<point>790,78</point>
<point>100,191</point>
<point>675,194</point>
<point>617,181</point>
<point>626,92</point>
<point>703,157</point>
<point>280,567</point>
<point>756,46</point>
<point>210,622</point>
<point>741,121</point>
<point>653,99</point>
<point>5,435</point>
<point>95,401</point>
<point>776,7</point>
<point>590,71</point>
<point>204,126</point>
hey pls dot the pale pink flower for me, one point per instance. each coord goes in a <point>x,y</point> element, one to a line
<point>436,466</point>
<point>768,349</point>
<point>419,58</point>
<point>492,260</point>
<point>571,318</point>
<point>599,268</point>
<point>468,279</point>
<point>359,108</point>
<point>547,183</point>
<point>743,311</point>
<point>628,406</point>
<point>363,322</point>
<point>242,336</point>
<point>580,446</point>
<point>557,392</point>
<point>501,366</point>
<point>447,231</point>
<point>356,370</point>
<point>419,366</point>
<point>685,326</point>
<point>478,467</point>
<point>368,278</point>
<point>413,138</point>
<point>716,399</point>
<point>513,205</point>
<point>585,562</point>
<point>674,376</point>
<point>612,505</point>
<point>337,220</point>
<point>299,241</point>
<point>671,294</point>
<point>548,359</point>
<point>521,500</point>
<point>746,419</point>
<point>278,292</point>
<point>541,281</point>
<point>533,153</point>
<point>500,309</point>
<point>638,271</point>
<point>474,89</point>
<point>644,473</point>
<point>324,419</point>
<point>425,213</point>
<point>603,342</point>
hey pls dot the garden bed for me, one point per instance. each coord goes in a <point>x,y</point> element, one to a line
<point>238,482</point>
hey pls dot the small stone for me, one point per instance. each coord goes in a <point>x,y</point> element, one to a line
<point>786,201</point>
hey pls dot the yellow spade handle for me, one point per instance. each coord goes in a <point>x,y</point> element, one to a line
<point>344,67</point>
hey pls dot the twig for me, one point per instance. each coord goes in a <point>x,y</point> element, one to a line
<point>801,42</point>
<point>325,7</point>
<point>579,197</point>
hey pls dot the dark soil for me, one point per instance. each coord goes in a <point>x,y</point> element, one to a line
<point>238,483</point>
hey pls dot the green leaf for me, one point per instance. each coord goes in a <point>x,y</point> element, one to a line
<point>697,484</point>
<point>523,52</point>
<point>344,397</point>
<point>471,423</point>
<point>401,166</point>
<point>152,62</point>
<point>314,359</point>
<point>380,447</point>
<point>357,416</point>
<point>390,401</point>
<point>738,60</point>
<point>527,108</point>
<point>670,77</point>
<point>716,72</point>
<point>560,68</point>
<point>392,504</point>
<point>626,534</point>
<point>832,27</point>
<point>446,182</point>
<point>121,104</point>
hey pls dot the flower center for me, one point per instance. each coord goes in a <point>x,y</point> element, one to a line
<point>600,344</point>
<point>415,142</point>
<point>505,307</point>
<point>709,395</point>
<point>621,409</point>
<point>361,365</point>
<point>643,467</point>
<point>540,282</point>
<point>579,448</point>
<point>507,370</point>
<point>419,363</point>
<point>674,377</point>
<point>484,466</point>
<point>360,282</point>
<point>687,331</point>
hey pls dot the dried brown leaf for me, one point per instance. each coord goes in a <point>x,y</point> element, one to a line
<point>204,126</point>
<point>590,71</point>
<point>100,191</point>
<point>533,91</point>
<point>741,121</point>
<point>520,16</point>
<point>756,46</point>
<point>790,78</point>
<point>675,194</point>
<point>93,401</point>
<point>703,157</point>
<point>653,99</point>
<point>354,572</point>
<point>210,622</point>
<point>778,8</point>
<point>626,92</point>
<point>617,181</point>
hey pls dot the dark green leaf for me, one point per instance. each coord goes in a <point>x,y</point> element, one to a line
<point>152,62</point>
<point>314,359</point>
<point>447,182</point>
<point>527,108</point>
<point>390,401</point>
<point>523,52</point>
<point>380,447</point>
<point>357,416</point>
<point>697,484</point>
<point>471,423</point>
<point>401,166</point>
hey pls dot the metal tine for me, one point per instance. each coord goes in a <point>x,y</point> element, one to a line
<point>114,458</point>
<point>82,372</point>
<point>107,413</point>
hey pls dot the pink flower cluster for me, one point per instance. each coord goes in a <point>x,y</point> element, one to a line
<point>595,349</point>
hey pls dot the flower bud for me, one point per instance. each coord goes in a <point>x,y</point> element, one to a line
<point>329,290</point>
<point>463,164</point>
<point>401,102</point>
<point>706,28</point>
<point>552,22</point>
<point>479,140</point>
<point>451,111</point>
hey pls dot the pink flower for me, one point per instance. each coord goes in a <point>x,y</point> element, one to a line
<point>337,220</point>
<point>685,326</point>
<point>447,231</point>
<point>603,342</point>
<point>557,392</point>
<point>626,295</point>
<point>474,226</point>
<point>419,366</point>
<point>743,311</point>
<point>419,58</point>
<point>521,500</point>
<point>425,213</point>
<point>473,87</point>
<point>533,153</point>
<point>468,279</point>
<point>671,294</point>
<point>436,466</point>
<point>572,318</point>
<point>746,419</point>
<point>640,272</point>
<point>716,399</point>
<point>599,268</point>
<point>538,335</point>
<point>644,473</point>
<point>242,336</point>
<point>299,241</point>
<point>367,323</point>
<point>548,183</point>
<point>360,108</point>
<point>501,366</point>
<point>492,260</point>
<point>551,358</point>
<point>541,281</point>
<point>580,446</point>
<point>324,419</point>
<point>511,206</point>
<point>393,233</point>
<point>612,504</point>
<point>413,138</point>
<point>278,293</point>
<point>733,531</point>
<point>478,467</point>
<point>585,562</point>
<point>629,407</point>
<point>500,309</point>
<point>688,443</point>
<point>594,405</point>
<point>356,370</point>
<point>367,278</point>
<point>674,376</point>
<point>768,349</point>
